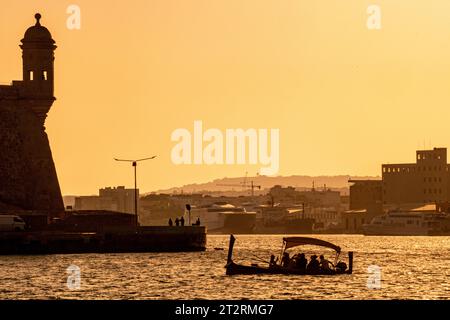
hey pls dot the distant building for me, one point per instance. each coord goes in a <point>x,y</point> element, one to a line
<point>425,181</point>
<point>322,198</point>
<point>365,193</point>
<point>122,197</point>
<point>317,198</point>
<point>324,217</point>
<point>353,220</point>
<point>280,193</point>
<point>117,199</point>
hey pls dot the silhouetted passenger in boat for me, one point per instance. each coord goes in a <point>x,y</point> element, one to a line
<point>341,267</point>
<point>292,263</point>
<point>273,261</point>
<point>182,221</point>
<point>177,222</point>
<point>324,265</point>
<point>285,260</point>
<point>170,222</point>
<point>313,265</point>
<point>301,262</point>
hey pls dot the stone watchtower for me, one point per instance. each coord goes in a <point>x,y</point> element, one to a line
<point>38,77</point>
<point>28,177</point>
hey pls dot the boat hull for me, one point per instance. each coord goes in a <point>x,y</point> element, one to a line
<point>237,269</point>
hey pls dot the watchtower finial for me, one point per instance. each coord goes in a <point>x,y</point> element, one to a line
<point>38,17</point>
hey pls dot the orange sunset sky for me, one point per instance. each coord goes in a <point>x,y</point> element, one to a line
<point>344,97</point>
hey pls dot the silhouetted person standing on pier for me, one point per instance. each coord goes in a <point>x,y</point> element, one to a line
<point>182,221</point>
<point>177,222</point>
<point>170,222</point>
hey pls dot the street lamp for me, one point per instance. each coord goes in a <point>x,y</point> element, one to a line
<point>188,208</point>
<point>134,164</point>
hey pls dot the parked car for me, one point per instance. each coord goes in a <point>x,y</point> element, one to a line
<point>11,223</point>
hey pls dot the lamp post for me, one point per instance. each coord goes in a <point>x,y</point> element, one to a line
<point>134,164</point>
<point>188,208</point>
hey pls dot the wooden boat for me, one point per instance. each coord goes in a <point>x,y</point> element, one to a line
<point>233,268</point>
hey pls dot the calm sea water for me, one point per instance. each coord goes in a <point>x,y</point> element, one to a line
<point>411,268</point>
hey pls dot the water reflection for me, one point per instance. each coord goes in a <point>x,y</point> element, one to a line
<point>412,268</point>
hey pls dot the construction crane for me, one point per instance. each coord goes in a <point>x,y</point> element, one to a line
<point>243,184</point>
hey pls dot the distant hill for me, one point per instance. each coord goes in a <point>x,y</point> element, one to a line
<point>333,182</point>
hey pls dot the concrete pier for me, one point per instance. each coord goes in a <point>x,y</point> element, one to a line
<point>142,239</point>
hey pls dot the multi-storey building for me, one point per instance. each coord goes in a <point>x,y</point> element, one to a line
<point>425,181</point>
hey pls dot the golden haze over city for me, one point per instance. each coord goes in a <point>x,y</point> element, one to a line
<point>345,98</point>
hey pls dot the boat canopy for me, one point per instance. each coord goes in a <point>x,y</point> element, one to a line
<point>290,242</point>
